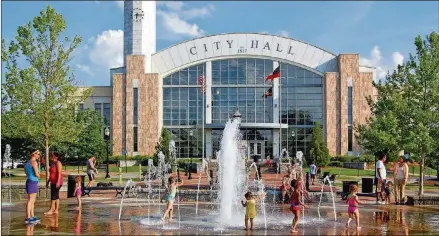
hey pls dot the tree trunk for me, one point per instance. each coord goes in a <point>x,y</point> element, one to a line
<point>421,175</point>
<point>46,147</point>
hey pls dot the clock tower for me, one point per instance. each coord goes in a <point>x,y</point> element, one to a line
<point>140,30</point>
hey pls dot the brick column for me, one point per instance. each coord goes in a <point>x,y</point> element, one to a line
<point>348,67</point>
<point>361,89</point>
<point>134,69</point>
<point>330,119</point>
<point>149,115</point>
<point>117,113</point>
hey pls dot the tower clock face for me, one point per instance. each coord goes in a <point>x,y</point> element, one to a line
<point>137,14</point>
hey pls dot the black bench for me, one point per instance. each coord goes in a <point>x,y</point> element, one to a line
<point>119,190</point>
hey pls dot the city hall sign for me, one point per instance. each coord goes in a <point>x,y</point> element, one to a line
<point>242,45</point>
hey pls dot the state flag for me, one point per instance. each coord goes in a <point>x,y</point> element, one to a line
<point>275,74</point>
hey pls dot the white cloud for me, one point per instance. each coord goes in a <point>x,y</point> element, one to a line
<point>173,18</point>
<point>84,68</point>
<point>172,5</point>
<point>107,49</point>
<point>382,65</point>
<point>283,33</point>
<point>397,59</point>
<point>198,12</point>
<point>176,26</point>
<point>119,4</point>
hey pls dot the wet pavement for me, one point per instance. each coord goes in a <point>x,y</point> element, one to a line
<point>101,216</point>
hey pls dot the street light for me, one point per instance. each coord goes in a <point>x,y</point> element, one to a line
<point>107,139</point>
<point>190,165</point>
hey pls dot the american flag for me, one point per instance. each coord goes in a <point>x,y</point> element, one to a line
<point>203,86</point>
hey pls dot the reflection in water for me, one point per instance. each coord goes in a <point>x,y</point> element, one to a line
<point>53,223</point>
<point>102,219</point>
<point>30,229</point>
<point>78,223</point>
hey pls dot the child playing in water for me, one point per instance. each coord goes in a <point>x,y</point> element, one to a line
<point>250,211</point>
<point>353,202</point>
<point>78,192</point>
<point>303,191</point>
<point>388,190</point>
<point>170,197</point>
<point>296,204</point>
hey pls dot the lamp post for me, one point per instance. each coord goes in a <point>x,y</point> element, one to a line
<point>190,165</point>
<point>107,139</point>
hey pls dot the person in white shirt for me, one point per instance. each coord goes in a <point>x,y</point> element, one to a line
<point>380,177</point>
<point>313,171</point>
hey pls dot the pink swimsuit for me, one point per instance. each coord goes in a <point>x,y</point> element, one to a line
<point>351,202</point>
<point>78,191</point>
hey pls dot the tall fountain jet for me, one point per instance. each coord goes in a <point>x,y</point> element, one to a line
<point>231,171</point>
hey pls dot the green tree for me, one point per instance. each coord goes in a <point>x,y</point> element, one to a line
<point>318,151</point>
<point>90,140</point>
<point>406,110</point>
<point>163,145</point>
<point>40,94</point>
<point>418,79</point>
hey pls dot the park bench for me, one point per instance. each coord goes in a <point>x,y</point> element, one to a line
<point>119,190</point>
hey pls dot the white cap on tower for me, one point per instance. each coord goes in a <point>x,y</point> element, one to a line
<point>140,30</point>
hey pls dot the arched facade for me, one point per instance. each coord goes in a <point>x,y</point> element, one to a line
<point>313,87</point>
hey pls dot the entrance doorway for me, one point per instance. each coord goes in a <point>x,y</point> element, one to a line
<point>256,150</point>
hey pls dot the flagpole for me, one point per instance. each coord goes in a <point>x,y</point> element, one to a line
<point>280,115</point>
<point>203,91</point>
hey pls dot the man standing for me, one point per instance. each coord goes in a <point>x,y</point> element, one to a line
<point>380,178</point>
<point>91,170</point>
<point>312,171</point>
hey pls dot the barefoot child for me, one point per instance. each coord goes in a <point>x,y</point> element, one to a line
<point>353,202</point>
<point>296,204</point>
<point>170,197</point>
<point>250,205</point>
<point>78,192</point>
<point>388,190</point>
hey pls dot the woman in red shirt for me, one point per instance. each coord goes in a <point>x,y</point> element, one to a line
<point>56,181</point>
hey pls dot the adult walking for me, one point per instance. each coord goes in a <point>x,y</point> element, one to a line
<point>32,179</point>
<point>380,178</point>
<point>401,177</point>
<point>91,170</point>
<point>55,180</point>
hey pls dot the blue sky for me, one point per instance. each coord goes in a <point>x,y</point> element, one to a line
<point>382,32</point>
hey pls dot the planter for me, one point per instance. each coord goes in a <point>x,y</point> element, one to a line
<point>355,165</point>
<point>129,163</point>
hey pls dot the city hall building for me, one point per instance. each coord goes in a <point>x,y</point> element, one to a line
<point>155,90</point>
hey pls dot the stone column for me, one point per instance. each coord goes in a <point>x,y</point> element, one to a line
<point>330,114</point>
<point>117,113</point>
<point>348,68</point>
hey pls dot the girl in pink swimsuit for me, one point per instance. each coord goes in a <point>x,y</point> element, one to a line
<point>78,192</point>
<point>353,202</point>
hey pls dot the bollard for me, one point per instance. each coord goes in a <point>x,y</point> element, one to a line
<point>307,181</point>
<point>140,171</point>
<point>120,176</point>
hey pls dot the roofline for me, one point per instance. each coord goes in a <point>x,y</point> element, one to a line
<point>371,67</point>
<point>206,36</point>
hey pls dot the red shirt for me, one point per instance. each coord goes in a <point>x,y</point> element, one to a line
<point>54,174</point>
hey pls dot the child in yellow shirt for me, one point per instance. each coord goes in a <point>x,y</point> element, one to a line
<point>250,205</point>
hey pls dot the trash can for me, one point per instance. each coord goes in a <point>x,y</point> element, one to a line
<point>367,185</point>
<point>346,185</point>
<point>71,184</point>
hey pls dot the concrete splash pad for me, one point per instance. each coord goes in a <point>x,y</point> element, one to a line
<point>100,217</point>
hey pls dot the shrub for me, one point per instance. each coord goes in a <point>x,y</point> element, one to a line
<point>367,158</point>
<point>336,164</point>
